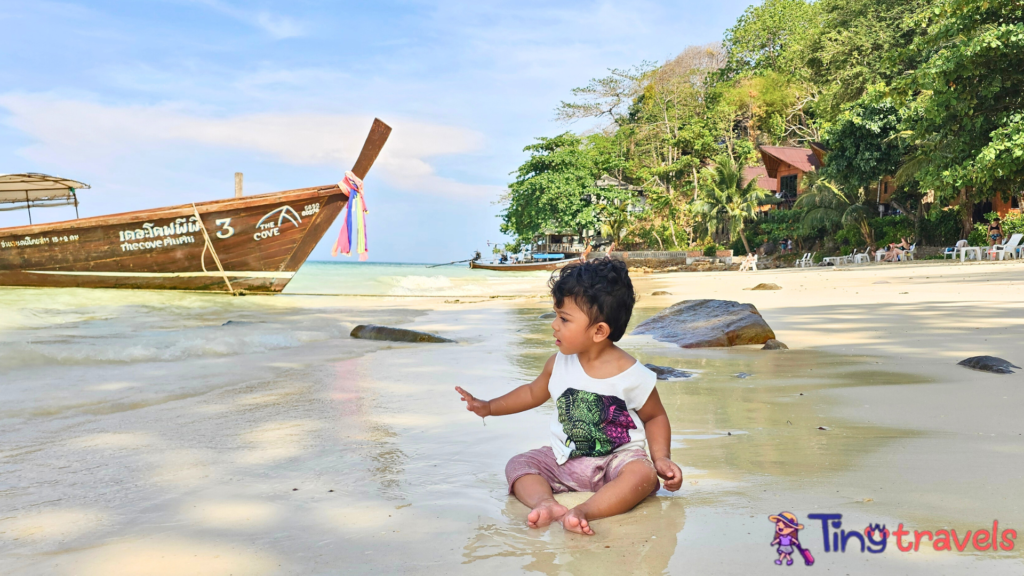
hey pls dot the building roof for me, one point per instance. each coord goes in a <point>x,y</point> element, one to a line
<point>800,158</point>
<point>764,182</point>
<point>819,150</point>
<point>607,181</point>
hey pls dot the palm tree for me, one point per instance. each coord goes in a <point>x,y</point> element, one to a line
<point>829,207</point>
<point>616,220</point>
<point>727,200</point>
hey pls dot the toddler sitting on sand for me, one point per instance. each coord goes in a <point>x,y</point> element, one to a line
<point>608,408</point>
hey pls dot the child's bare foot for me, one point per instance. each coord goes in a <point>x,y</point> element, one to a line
<point>545,513</point>
<point>576,521</point>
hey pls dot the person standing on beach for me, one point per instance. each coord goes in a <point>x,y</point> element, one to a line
<point>995,232</point>
<point>608,408</point>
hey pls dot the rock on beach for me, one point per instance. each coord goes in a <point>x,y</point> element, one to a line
<point>375,332</point>
<point>668,372</point>
<point>989,364</point>
<point>708,324</point>
<point>766,286</point>
<point>774,344</point>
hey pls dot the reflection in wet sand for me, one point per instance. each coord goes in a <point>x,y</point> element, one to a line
<point>379,444</point>
<point>640,542</point>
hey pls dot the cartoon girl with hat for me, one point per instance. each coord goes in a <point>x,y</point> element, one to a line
<point>786,527</point>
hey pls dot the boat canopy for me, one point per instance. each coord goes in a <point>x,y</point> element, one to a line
<point>26,191</point>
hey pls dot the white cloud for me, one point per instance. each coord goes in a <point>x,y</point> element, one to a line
<point>76,132</point>
<point>278,26</point>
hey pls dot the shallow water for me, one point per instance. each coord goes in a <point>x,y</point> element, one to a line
<point>370,278</point>
<point>142,435</point>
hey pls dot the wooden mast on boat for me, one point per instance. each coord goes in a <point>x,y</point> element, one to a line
<point>247,243</point>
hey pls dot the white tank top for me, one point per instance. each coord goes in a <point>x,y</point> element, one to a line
<point>597,416</point>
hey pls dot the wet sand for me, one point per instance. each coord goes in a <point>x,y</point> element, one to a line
<point>325,455</point>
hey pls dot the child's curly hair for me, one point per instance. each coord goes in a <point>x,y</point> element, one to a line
<point>601,288</point>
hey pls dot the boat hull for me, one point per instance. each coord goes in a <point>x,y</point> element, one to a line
<point>522,267</point>
<point>261,242</point>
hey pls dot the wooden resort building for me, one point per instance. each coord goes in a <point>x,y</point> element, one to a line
<point>786,165</point>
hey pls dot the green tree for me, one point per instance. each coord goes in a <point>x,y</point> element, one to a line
<point>761,104</point>
<point>662,117</point>
<point>864,144</point>
<point>727,200</point>
<point>771,37</point>
<point>860,44</point>
<point>554,188</point>
<point>769,89</point>
<point>830,207</point>
<point>968,100</point>
<point>665,123</point>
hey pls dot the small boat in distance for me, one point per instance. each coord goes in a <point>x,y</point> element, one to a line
<point>527,267</point>
<point>251,243</point>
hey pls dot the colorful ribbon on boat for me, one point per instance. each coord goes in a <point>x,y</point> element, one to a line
<point>354,221</point>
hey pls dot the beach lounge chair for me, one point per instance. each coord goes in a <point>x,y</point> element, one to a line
<point>749,263</point>
<point>1010,248</point>
<point>955,250</point>
<point>909,254</point>
<point>807,260</point>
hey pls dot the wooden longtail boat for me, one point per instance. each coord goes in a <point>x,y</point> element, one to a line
<point>253,243</point>
<point>522,267</point>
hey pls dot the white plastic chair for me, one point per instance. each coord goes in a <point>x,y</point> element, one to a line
<point>955,250</point>
<point>1008,249</point>
<point>806,261</point>
<point>909,254</point>
<point>749,263</point>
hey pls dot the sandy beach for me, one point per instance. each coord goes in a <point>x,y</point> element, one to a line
<point>180,443</point>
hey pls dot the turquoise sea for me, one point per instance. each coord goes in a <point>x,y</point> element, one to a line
<point>397,279</point>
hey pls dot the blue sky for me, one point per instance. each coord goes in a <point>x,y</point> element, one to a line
<point>159,102</point>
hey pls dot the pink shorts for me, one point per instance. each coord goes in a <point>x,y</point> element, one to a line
<point>582,474</point>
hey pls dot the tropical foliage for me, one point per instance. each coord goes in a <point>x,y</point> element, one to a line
<point>555,189</point>
<point>728,201</point>
<point>929,92</point>
<point>826,206</point>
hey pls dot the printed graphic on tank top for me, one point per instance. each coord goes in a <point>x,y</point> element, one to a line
<point>597,416</point>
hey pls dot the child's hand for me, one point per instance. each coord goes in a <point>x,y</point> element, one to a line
<point>481,408</point>
<point>670,472</point>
